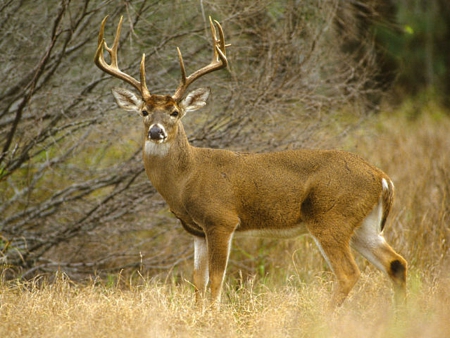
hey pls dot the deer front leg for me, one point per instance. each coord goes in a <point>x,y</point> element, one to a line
<point>201,269</point>
<point>219,245</point>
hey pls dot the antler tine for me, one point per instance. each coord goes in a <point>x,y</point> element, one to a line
<point>219,44</point>
<point>113,68</point>
<point>182,69</point>
<point>144,91</point>
<point>219,61</point>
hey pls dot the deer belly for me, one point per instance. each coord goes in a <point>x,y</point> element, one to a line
<point>283,233</point>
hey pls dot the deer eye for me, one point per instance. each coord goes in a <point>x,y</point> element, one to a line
<point>144,113</point>
<point>174,113</point>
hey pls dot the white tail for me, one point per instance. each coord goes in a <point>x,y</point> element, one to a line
<point>338,198</point>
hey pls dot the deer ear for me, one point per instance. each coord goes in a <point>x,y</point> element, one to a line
<point>195,99</point>
<point>126,99</point>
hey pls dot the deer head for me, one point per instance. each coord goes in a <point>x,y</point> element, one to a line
<point>161,113</point>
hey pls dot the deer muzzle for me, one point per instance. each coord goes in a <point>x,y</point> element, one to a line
<point>157,133</point>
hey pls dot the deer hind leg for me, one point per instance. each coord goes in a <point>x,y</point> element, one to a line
<point>368,240</point>
<point>336,251</point>
<point>201,270</point>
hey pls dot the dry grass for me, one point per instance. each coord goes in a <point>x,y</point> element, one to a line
<point>414,152</point>
<point>65,309</point>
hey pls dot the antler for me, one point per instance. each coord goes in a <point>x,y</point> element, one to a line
<point>219,61</point>
<point>113,68</point>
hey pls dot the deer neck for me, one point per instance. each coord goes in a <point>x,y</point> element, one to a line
<point>166,164</point>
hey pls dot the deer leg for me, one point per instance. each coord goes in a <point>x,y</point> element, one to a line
<point>201,270</point>
<point>370,243</point>
<point>337,254</point>
<point>219,245</point>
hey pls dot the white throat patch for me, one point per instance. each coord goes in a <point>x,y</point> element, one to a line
<point>156,149</point>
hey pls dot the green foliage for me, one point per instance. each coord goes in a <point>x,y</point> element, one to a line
<point>418,40</point>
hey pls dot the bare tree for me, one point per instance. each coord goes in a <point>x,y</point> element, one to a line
<point>73,193</point>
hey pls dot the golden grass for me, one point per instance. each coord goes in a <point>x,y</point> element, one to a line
<point>415,153</point>
<point>151,309</point>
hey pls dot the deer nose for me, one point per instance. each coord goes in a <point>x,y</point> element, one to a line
<point>157,133</point>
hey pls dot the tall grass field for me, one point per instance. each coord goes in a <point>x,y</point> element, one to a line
<point>291,299</point>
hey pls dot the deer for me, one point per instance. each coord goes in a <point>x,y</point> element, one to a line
<point>336,197</point>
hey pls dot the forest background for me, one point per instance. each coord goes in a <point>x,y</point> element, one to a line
<point>76,208</point>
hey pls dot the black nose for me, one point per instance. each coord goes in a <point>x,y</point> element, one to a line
<point>157,133</point>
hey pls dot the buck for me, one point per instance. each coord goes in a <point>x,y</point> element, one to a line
<point>335,196</point>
